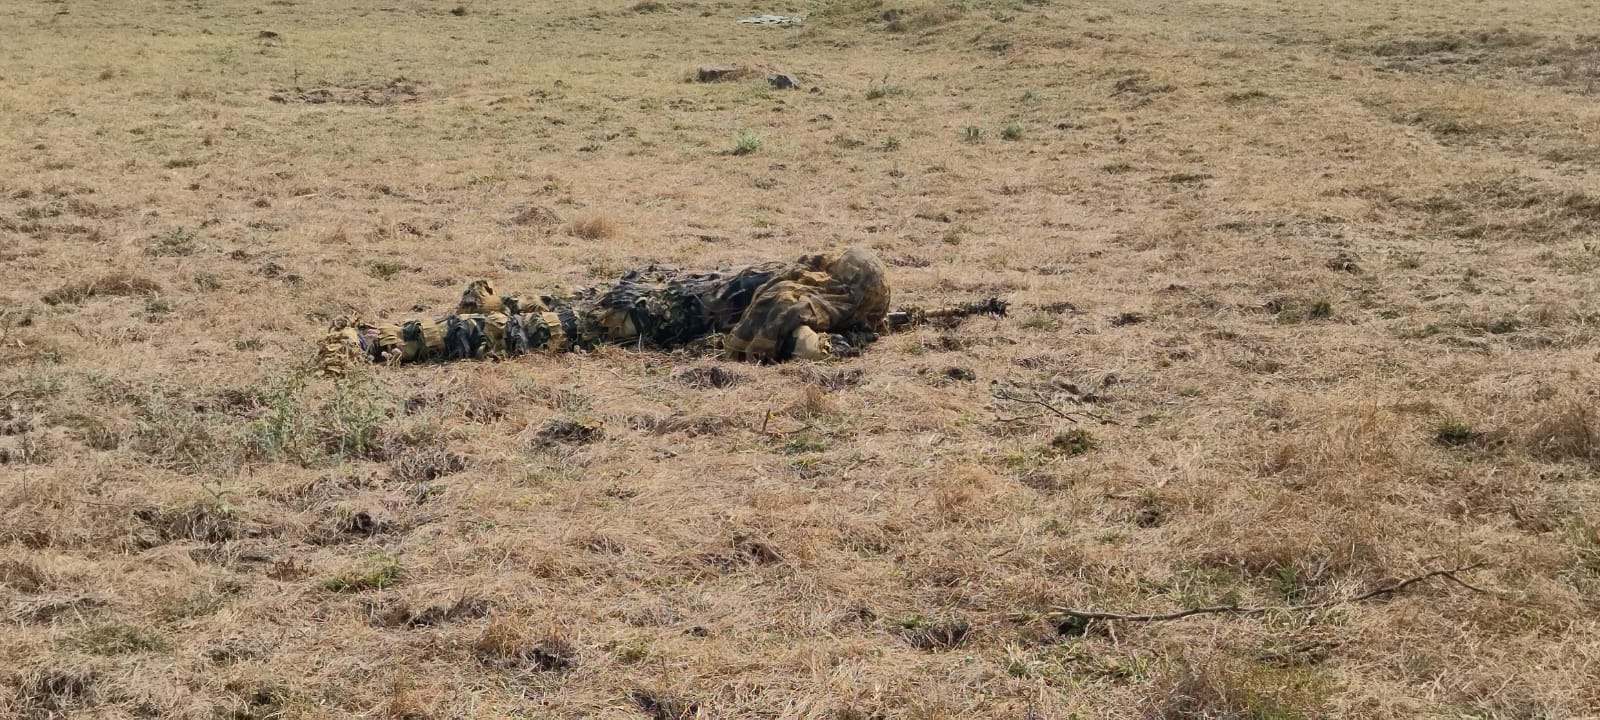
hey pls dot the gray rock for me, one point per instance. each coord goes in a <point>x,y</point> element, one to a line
<point>773,20</point>
<point>783,81</point>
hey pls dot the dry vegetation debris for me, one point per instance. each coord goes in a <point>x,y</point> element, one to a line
<point>1300,312</point>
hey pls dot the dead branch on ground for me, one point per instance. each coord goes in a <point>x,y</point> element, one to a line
<point>1038,399</point>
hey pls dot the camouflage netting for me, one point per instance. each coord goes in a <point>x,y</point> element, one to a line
<point>816,307</point>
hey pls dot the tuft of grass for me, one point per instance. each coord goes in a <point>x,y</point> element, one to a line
<point>882,88</point>
<point>972,134</point>
<point>120,283</point>
<point>925,18</point>
<point>891,144</point>
<point>385,269</point>
<point>352,418</point>
<point>648,6</point>
<point>1455,433</point>
<point>747,142</point>
<point>119,639</point>
<point>177,242</point>
<point>593,226</point>
<point>1012,131</point>
<point>1072,443</point>
<point>1236,689</point>
<point>804,442</point>
<point>294,429</point>
<point>157,306</point>
<point>373,572</point>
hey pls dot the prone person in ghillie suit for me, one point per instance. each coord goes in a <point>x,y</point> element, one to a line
<point>813,308</point>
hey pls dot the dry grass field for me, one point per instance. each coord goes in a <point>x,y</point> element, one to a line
<point>1316,280</point>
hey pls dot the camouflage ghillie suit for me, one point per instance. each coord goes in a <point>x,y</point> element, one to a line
<point>816,307</point>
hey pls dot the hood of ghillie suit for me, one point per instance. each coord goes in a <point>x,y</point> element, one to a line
<point>819,294</point>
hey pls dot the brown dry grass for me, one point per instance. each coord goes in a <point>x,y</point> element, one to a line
<point>593,226</point>
<point>1329,267</point>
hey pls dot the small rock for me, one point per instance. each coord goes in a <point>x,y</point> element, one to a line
<point>716,73</point>
<point>268,35</point>
<point>783,81</point>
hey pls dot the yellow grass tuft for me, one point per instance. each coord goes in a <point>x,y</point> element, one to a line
<point>593,226</point>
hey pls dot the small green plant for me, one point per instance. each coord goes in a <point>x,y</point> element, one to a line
<point>911,622</point>
<point>177,242</point>
<point>1012,131</point>
<point>353,416</point>
<point>747,142</point>
<point>1030,97</point>
<point>891,144</point>
<point>804,443</point>
<point>1040,321</point>
<point>882,89</point>
<point>1072,443</point>
<point>972,134</point>
<point>283,433</point>
<point>374,572</point>
<point>385,269</point>
<point>119,639</point>
<point>158,305</point>
<point>1288,583</point>
<point>1319,309</point>
<point>1455,433</point>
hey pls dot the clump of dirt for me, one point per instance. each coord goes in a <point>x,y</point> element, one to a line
<point>534,216</point>
<point>664,706</point>
<point>568,431</point>
<point>391,92</point>
<point>712,376</point>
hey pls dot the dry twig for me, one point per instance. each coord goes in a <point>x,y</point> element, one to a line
<point>1449,574</point>
<point>1038,399</point>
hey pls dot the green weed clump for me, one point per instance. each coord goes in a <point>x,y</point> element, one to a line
<point>293,429</point>
<point>374,572</point>
<point>747,143</point>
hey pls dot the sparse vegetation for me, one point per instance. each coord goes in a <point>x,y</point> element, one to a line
<point>1455,433</point>
<point>1306,298</point>
<point>373,572</point>
<point>747,142</point>
<point>119,639</point>
<point>882,88</point>
<point>1070,443</point>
